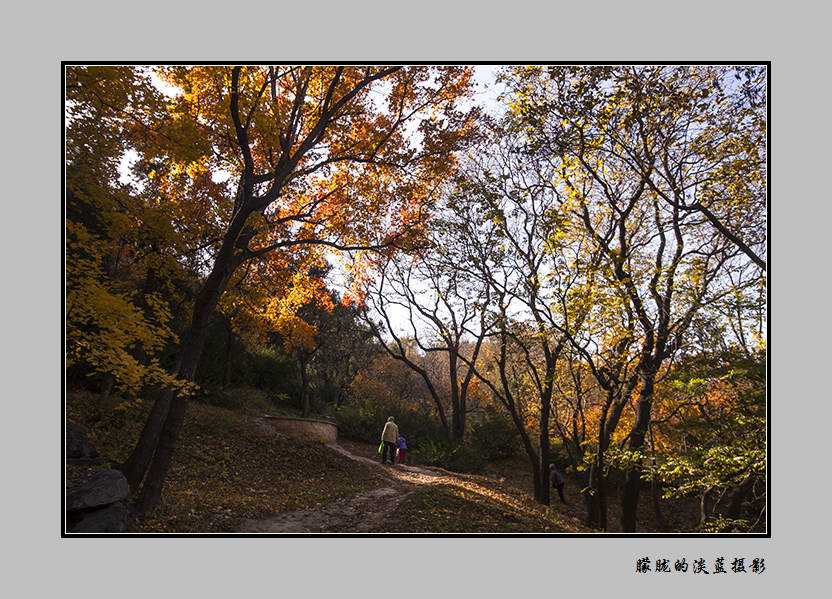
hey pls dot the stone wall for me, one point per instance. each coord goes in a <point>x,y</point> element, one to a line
<point>304,427</point>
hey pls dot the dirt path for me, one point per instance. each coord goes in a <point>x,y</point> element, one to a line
<point>362,512</point>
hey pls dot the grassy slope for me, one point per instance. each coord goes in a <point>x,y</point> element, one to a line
<point>228,467</point>
<point>456,508</point>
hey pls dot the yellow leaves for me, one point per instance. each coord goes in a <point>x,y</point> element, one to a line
<point>105,326</point>
<point>271,296</point>
<point>299,335</point>
<point>283,311</point>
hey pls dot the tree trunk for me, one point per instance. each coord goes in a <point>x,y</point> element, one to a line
<point>304,387</point>
<point>597,496</point>
<point>458,416</point>
<point>544,449</point>
<point>188,359</point>
<point>151,491</point>
<point>530,452</point>
<point>610,415</point>
<point>594,516</point>
<point>458,425</point>
<point>704,506</point>
<point>229,347</point>
<point>655,491</point>
<point>629,499</point>
<point>734,510</point>
<point>104,396</point>
<point>632,485</point>
<point>539,482</point>
<point>135,466</point>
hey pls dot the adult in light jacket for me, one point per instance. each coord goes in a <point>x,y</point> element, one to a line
<point>389,436</point>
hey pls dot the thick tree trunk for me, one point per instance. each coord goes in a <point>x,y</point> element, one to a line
<point>591,500</point>
<point>705,507</point>
<point>457,403</point>
<point>632,485</point>
<point>597,496</point>
<point>151,491</point>
<point>539,481</point>
<point>629,499</point>
<point>734,510</point>
<point>189,355</point>
<point>530,452</point>
<point>458,425</point>
<point>597,512</point>
<point>655,492</point>
<point>136,465</point>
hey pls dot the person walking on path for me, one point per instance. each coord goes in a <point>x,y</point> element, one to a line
<point>401,453</point>
<point>557,480</point>
<point>389,436</point>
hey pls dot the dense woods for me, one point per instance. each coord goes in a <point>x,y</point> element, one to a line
<point>572,272</point>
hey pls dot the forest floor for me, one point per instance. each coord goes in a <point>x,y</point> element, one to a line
<point>419,499</point>
<point>232,473</point>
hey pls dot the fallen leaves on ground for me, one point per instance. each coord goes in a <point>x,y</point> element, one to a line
<point>459,508</point>
<point>227,468</point>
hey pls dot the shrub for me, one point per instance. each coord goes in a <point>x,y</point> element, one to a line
<point>364,420</point>
<point>271,370</point>
<point>465,457</point>
<point>494,436</point>
<point>265,368</point>
<point>239,399</point>
<point>359,421</point>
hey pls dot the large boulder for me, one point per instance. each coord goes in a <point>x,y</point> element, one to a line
<point>112,518</point>
<point>103,487</point>
<point>77,445</point>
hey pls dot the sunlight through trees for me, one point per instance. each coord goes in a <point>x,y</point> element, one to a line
<point>576,277</point>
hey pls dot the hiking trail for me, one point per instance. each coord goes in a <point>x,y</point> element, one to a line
<point>358,513</point>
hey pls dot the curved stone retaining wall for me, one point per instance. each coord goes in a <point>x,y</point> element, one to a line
<point>304,427</point>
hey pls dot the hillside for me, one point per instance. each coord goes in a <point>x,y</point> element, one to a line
<point>232,473</point>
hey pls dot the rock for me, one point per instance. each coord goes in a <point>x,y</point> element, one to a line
<point>105,486</point>
<point>112,518</point>
<point>77,445</point>
<point>85,461</point>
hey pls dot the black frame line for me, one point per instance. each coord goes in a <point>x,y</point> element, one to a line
<point>598,535</point>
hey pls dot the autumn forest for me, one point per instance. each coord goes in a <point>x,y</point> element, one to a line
<point>524,265</point>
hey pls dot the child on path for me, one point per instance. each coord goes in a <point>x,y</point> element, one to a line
<point>401,453</point>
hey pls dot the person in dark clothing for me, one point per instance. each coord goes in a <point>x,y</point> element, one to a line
<point>557,480</point>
